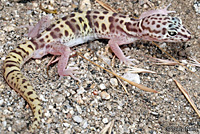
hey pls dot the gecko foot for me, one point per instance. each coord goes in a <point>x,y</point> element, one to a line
<point>128,61</point>
<point>70,71</point>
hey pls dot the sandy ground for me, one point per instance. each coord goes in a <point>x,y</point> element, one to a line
<point>71,108</point>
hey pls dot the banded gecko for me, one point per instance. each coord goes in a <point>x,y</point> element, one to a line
<point>79,27</point>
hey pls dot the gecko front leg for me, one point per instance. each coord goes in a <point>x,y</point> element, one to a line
<point>114,45</point>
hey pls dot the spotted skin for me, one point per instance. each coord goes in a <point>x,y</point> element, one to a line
<point>81,27</point>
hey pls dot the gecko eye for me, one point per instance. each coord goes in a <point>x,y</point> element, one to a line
<point>172,33</point>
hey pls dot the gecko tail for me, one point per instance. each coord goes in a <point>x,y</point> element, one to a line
<point>12,74</point>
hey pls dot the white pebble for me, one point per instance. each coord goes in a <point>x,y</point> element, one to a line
<point>132,77</point>
<point>80,90</point>
<point>102,86</point>
<point>47,114</point>
<point>114,82</point>
<point>8,28</point>
<point>4,123</point>
<point>66,124</point>
<point>78,108</point>
<point>77,119</point>
<point>154,113</point>
<point>85,124</point>
<point>1,102</point>
<point>105,120</point>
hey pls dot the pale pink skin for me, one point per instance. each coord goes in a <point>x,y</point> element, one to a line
<point>114,42</point>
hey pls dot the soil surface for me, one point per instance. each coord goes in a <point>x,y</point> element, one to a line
<point>87,107</point>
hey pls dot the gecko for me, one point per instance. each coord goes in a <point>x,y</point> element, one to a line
<point>80,27</point>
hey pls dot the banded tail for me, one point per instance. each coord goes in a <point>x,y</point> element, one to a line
<point>12,74</point>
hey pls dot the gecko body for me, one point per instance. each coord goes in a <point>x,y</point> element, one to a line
<point>79,27</point>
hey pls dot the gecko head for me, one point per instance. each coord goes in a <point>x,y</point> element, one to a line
<point>163,28</point>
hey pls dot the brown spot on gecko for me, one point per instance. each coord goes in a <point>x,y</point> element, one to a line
<point>57,29</point>
<point>70,26</point>
<point>183,30</point>
<point>157,26</point>
<point>71,15</point>
<point>60,35</point>
<point>73,20</point>
<point>129,27</point>
<point>39,35</point>
<point>64,18</point>
<point>122,30</point>
<point>66,33</point>
<point>121,21</point>
<point>105,12</point>
<point>80,19</point>
<point>50,27</point>
<point>14,70</point>
<point>164,31</point>
<point>41,40</point>
<point>32,101</point>
<point>96,12</point>
<point>88,12</point>
<point>58,22</point>
<point>96,24</point>
<point>101,17</point>
<point>110,19</point>
<point>18,53</point>
<point>89,20</point>
<point>116,20</point>
<point>23,81</point>
<point>80,11</point>
<point>29,93</point>
<point>94,16</point>
<point>103,27</point>
<point>11,61</point>
<point>10,65</point>
<point>153,23</point>
<point>114,14</point>
<point>84,27</point>
<point>61,25</point>
<point>164,23</point>
<point>30,46</point>
<point>166,18</point>
<point>78,27</point>
<point>53,35</point>
<point>122,16</point>
<point>111,27</point>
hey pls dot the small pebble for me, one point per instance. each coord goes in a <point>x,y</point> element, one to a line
<point>102,86</point>
<point>85,124</point>
<point>114,82</point>
<point>66,125</point>
<point>105,120</point>
<point>1,102</point>
<point>104,95</point>
<point>154,113</point>
<point>38,61</point>
<point>77,119</point>
<point>132,77</point>
<point>197,7</point>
